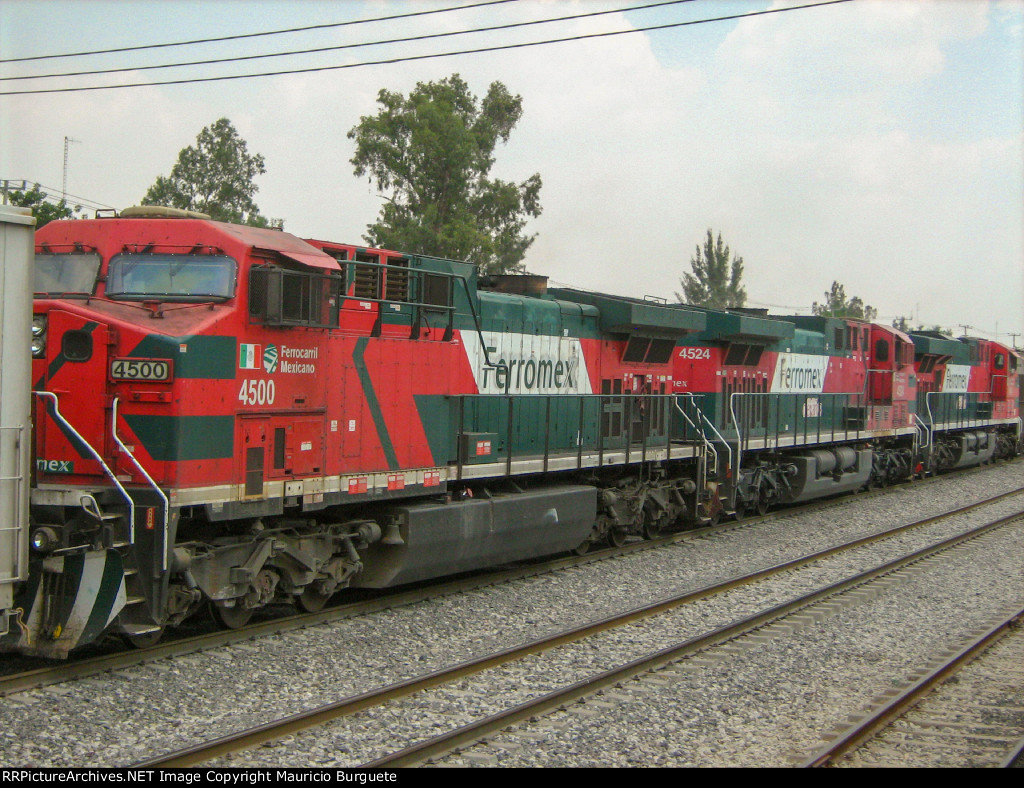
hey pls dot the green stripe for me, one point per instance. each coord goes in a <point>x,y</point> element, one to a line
<point>205,357</point>
<point>106,594</point>
<point>175,438</point>
<point>58,362</point>
<point>435,413</point>
<point>374,404</point>
<point>76,443</point>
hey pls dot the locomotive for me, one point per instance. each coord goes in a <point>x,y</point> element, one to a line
<point>227,417</point>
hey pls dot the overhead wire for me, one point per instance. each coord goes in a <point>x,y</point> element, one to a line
<point>433,56</point>
<point>53,195</point>
<point>336,47</point>
<point>239,36</point>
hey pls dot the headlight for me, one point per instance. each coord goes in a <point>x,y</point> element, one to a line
<point>38,336</point>
<point>45,539</point>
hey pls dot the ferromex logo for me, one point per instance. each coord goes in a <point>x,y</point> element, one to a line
<point>796,373</point>
<point>527,364</point>
<point>55,466</point>
<point>956,379</point>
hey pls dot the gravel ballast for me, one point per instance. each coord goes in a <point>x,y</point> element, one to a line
<point>121,718</point>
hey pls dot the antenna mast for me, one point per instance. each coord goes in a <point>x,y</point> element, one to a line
<point>64,190</point>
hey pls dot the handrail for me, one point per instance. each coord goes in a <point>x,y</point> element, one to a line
<point>414,274</point>
<point>733,469</point>
<point>697,429</point>
<point>503,418</point>
<point>110,474</point>
<point>19,471</point>
<point>19,571</point>
<point>924,429</point>
<point>476,320</point>
<point>966,423</point>
<point>153,484</point>
<point>834,394</point>
<point>710,424</point>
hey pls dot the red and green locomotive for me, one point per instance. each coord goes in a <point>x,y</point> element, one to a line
<point>227,416</point>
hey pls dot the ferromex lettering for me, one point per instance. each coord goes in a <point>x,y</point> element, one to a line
<point>527,364</point>
<point>797,373</point>
<point>956,379</point>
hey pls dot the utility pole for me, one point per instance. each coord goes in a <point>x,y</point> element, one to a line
<point>1014,337</point>
<point>64,191</point>
<point>9,186</point>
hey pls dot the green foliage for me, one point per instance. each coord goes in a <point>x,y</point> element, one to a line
<point>715,281</point>
<point>836,305</point>
<point>45,212</point>
<point>215,177</point>
<point>430,153</point>
<point>904,324</point>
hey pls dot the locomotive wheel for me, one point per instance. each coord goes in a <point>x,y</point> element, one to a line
<point>617,536</point>
<point>312,600</point>
<point>653,528</point>
<point>234,617</point>
<point>143,640</point>
<point>583,547</point>
<point>762,505</point>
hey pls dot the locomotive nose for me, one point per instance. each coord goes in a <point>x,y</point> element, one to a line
<point>72,369</point>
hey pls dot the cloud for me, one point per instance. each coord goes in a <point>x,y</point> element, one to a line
<point>832,143</point>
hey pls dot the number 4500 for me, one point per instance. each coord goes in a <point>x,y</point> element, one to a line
<point>257,392</point>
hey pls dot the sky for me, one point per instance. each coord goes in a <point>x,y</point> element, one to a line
<point>877,143</point>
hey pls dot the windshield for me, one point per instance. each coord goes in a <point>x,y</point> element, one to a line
<point>62,274</point>
<point>171,277</point>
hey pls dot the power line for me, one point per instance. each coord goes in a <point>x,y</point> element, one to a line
<point>255,35</point>
<point>800,307</point>
<point>424,37</point>
<point>50,193</point>
<point>411,58</point>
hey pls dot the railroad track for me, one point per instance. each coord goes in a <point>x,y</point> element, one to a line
<point>656,666</point>
<point>965,710</point>
<point>16,678</point>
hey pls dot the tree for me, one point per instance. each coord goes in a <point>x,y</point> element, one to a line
<point>45,212</point>
<point>836,305</point>
<point>214,177</point>
<point>431,154</point>
<point>715,281</point>
<point>903,324</point>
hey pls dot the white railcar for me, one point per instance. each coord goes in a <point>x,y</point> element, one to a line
<point>17,231</point>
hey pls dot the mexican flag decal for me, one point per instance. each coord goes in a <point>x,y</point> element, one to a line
<point>249,356</point>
